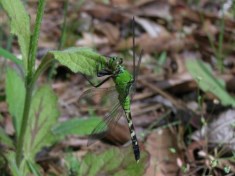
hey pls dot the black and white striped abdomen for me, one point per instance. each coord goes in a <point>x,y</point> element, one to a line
<point>134,140</point>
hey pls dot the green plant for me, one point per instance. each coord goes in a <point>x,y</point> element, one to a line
<point>112,162</point>
<point>202,73</point>
<point>8,47</point>
<point>34,109</point>
<point>218,48</point>
<point>161,60</point>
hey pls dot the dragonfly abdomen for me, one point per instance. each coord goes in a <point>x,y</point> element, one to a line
<point>134,140</point>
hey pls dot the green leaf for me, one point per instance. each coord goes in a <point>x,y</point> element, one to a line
<point>33,168</point>
<point>202,73</point>
<point>76,126</point>
<point>83,60</point>
<point>113,162</point>
<point>15,171</point>
<point>72,164</point>
<point>20,25</point>
<point>43,115</point>
<point>5,139</point>
<point>15,95</point>
<point>161,60</point>
<point>6,54</point>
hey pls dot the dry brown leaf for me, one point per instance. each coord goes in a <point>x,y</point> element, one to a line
<point>194,147</point>
<point>160,9</point>
<point>104,12</point>
<point>91,40</point>
<point>208,28</point>
<point>220,131</point>
<point>165,42</point>
<point>120,3</point>
<point>152,28</point>
<point>162,161</point>
<point>111,31</point>
<point>3,107</point>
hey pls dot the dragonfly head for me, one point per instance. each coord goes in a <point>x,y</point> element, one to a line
<point>114,63</point>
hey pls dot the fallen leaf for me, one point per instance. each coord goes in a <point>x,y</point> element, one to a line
<point>90,40</point>
<point>111,31</point>
<point>220,131</point>
<point>162,160</point>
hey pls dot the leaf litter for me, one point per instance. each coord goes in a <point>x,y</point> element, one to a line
<point>197,130</point>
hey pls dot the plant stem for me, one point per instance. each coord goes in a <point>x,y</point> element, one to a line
<point>34,39</point>
<point>29,81</point>
<point>23,128</point>
<point>220,58</point>
<point>7,55</point>
<point>63,35</point>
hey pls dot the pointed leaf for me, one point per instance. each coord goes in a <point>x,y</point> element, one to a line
<point>76,126</point>
<point>43,115</point>
<point>6,54</point>
<point>20,25</point>
<point>113,162</point>
<point>33,168</point>
<point>5,139</point>
<point>15,171</point>
<point>15,95</point>
<point>207,82</point>
<point>83,60</point>
<point>72,164</point>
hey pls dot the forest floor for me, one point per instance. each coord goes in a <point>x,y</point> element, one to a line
<point>183,105</point>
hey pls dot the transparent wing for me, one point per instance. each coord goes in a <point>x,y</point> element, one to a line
<point>101,97</point>
<point>105,98</point>
<point>112,117</point>
<point>102,128</point>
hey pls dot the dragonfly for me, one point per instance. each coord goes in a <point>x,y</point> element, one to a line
<point>120,95</point>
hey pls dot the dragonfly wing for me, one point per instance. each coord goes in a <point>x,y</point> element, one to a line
<point>106,98</point>
<point>102,128</point>
<point>103,97</point>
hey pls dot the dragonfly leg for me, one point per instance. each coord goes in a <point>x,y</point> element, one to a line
<point>104,72</point>
<point>99,84</point>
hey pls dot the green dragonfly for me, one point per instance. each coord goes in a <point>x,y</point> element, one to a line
<point>119,96</point>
